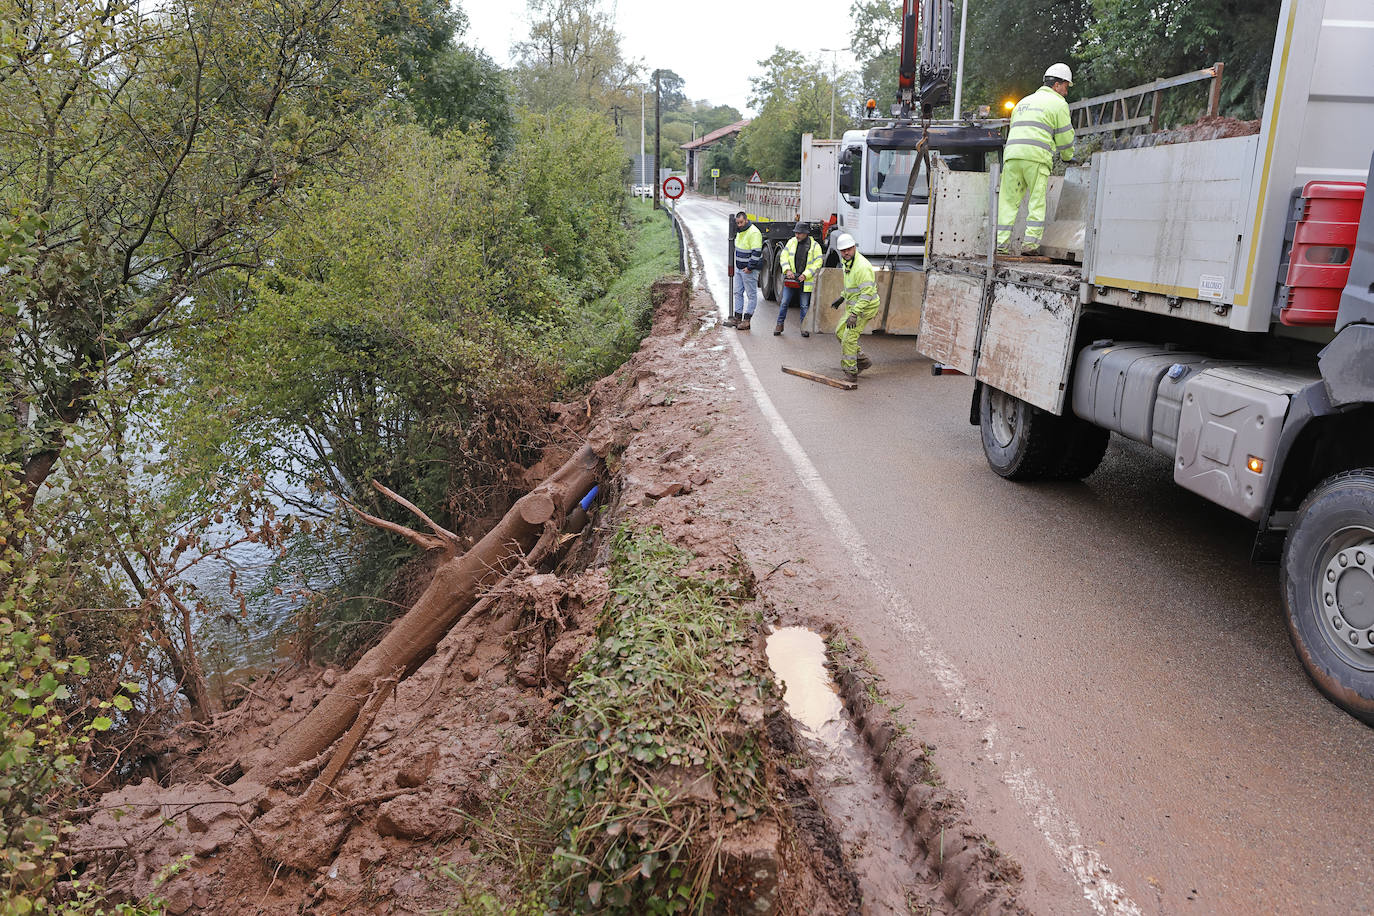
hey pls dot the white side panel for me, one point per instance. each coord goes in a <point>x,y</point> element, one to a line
<point>819,178</point>
<point>1318,124</point>
<point>1168,218</point>
<point>959,215</point>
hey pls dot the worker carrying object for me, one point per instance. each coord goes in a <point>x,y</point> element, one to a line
<point>860,301</point>
<point>748,259</point>
<point>1040,128</point>
<point>801,259</point>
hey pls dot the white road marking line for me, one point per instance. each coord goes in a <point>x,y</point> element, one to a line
<point>1059,830</point>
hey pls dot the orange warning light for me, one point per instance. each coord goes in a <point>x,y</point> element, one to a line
<point>1008,104</point>
<point>871,104</point>
<point>1255,464</point>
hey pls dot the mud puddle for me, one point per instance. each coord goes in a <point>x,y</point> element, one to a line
<point>893,876</point>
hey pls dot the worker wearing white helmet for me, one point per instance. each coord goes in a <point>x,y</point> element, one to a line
<point>1040,128</point>
<point>860,299</point>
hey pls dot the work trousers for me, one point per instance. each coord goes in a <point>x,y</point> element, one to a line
<point>746,288</point>
<point>850,351</point>
<point>1020,176</point>
<point>790,295</point>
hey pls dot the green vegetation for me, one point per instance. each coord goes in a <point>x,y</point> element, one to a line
<point>253,257</point>
<point>653,711</point>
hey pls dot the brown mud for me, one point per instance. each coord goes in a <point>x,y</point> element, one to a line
<point>864,828</point>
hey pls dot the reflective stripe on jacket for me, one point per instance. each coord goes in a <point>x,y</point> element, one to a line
<point>860,287</point>
<point>813,261</point>
<point>748,248</point>
<point>1040,127</point>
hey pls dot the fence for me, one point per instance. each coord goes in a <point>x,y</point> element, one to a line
<point>1125,108</point>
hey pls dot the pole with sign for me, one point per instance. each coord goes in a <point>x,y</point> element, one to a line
<point>672,189</point>
<point>715,173</point>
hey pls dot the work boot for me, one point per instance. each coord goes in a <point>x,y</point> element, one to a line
<point>1030,251</point>
<point>744,323</point>
<point>777,329</point>
<point>864,362</point>
<point>851,376</point>
<point>733,320</point>
<point>806,333</point>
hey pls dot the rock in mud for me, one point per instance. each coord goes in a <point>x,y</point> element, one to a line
<point>565,653</point>
<point>415,817</point>
<point>415,769</point>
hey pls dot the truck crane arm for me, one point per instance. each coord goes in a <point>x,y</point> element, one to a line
<point>925,82</point>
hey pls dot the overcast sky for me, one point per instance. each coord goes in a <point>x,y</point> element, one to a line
<point>698,44</point>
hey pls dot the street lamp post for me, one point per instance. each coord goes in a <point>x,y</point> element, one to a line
<point>959,76</point>
<point>833,68</point>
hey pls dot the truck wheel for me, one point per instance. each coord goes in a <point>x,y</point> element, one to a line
<point>1084,446</point>
<point>1327,579</point>
<point>768,271</point>
<point>1021,442</point>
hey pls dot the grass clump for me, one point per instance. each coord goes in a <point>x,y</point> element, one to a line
<point>660,703</point>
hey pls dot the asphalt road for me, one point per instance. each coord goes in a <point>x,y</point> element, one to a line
<point>1135,697</point>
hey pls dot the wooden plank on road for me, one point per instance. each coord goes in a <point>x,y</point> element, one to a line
<point>823,379</point>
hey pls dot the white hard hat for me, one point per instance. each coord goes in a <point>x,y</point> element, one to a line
<point>1060,72</point>
<point>844,240</point>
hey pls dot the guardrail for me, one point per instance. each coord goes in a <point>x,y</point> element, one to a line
<point>1125,108</point>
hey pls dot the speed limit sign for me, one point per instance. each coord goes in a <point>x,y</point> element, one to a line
<point>673,187</point>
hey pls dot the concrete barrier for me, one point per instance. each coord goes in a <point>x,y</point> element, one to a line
<point>900,295</point>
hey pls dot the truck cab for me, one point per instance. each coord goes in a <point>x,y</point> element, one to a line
<point>875,171</point>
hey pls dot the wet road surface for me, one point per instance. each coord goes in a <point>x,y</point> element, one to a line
<point>1113,633</point>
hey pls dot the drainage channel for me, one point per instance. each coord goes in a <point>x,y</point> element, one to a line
<point>893,877</point>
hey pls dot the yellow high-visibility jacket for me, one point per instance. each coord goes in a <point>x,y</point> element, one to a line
<point>860,288</point>
<point>1040,127</point>
<point>813,262</point>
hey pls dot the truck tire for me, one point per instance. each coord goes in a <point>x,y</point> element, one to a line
<point>1021,442</point>
<point>1327,581</point>
<point>1085,445</point>
<point>768,273</point>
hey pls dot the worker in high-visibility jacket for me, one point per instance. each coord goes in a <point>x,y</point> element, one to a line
<point>748,260</point>
<point>801,259</point>
<point>861,303</point>
<point>1041,128</point>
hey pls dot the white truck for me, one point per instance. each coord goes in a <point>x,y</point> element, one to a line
<point>1213,300</point>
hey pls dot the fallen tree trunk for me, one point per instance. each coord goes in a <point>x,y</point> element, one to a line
<point>457,584</point>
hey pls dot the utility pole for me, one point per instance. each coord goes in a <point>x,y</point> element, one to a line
<point>959,77</point>
<point>641,135</point>
<point>658,136</point>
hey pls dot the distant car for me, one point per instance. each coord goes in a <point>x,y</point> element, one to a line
<point>643,191</point>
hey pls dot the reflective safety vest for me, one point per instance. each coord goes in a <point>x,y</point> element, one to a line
<point>1040,127</point>
<point>748,248</point>
<point>860,287</point>
<point>813,261</point>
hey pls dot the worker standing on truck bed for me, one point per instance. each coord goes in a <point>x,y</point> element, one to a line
<point>748,258</point>
<point>801,259</point>
<point>861,303</point>
<point>1040,127</point>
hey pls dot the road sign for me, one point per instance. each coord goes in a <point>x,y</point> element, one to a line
<point>715,173</point>
<point>673,187</point>
<point>754,178</point>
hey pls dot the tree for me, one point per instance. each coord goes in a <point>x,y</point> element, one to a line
<point>1130,42</point>
<point>793,96</point>
<point>573,57</point>
<point>150,152</point>
<point>1011,43</point>
<point>670,90</point>
<point>876,40</point>
<point>464,88</point>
